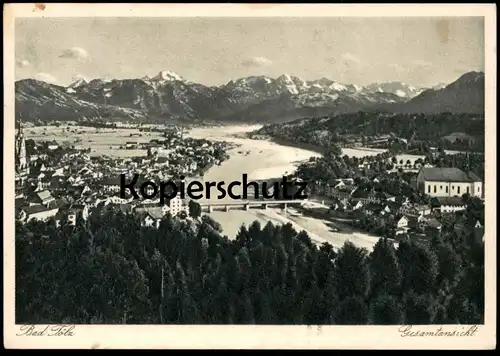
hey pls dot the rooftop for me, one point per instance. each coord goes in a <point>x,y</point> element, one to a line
<point>434,223</point>
<point>44,195</point>
<point>456,201</point>
<point>155,213</point>
<point>37,209</point>
<point>448,175</point>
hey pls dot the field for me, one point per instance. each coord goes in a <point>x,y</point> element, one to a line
<point>362,151</point>
<point>101,141</point>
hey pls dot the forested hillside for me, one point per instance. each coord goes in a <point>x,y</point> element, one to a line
<point>420,130</point>
<point>111,270</point>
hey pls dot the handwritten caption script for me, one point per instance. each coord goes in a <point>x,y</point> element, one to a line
<point>46,330</point>
<point>463,330</point>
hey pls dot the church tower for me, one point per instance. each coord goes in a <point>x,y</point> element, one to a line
<point>21,160</point>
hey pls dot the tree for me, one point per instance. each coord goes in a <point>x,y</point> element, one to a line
<point>351,311</point>
<point>112,270</point>
<point>332,151</point>
<point>385,310</point>
<point>419,266</point>
<point>351,271</point>
<point>211,222</point>
<point>194,209</point>
<point>450,267</point>
<point>247,315</point>
<point>243,237</point>
<point>265,313</point>
<point>418,308</point>
<point>384,268</point>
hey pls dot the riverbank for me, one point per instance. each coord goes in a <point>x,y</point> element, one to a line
<point>358,151</point>
<point>300,145</point>
<point>263,159</point>
<point>349,151</point>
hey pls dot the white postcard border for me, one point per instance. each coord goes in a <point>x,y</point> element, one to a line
<point>250,337</point>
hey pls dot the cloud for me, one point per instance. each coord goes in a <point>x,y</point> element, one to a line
<point>75,53</point>
<point>45,77</point>
<point>349,58</point>
<point>257,62</point>
<point>422,63</point>
<point>398,68</point>
<point>22,63</point>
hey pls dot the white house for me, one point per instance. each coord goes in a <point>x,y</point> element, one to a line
<point>59,172</point>
<point>39,212</point>
<point>450,204</point>
<point>407,162</point>
<point>401,224</point>
<point>176,205</point>
<point>152,218</point>
<point>44,197</point>
<point>418,210</point>
<point>111,185</point>
<point>357,205</point>
<point>72,214</point>
<point>449,182</point>
<point>145,207</point>
<point>115,199</point>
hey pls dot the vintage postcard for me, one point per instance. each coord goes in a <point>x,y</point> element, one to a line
<point>236,176</point>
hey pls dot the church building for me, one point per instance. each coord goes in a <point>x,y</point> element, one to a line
<point>21,159</point>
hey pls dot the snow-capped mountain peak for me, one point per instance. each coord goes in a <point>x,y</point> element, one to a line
<point>77,83</point>
<point>250,98</point>
<point>338,86</point>
<point>285,79</point>
<point>400,89</point>
<point>167,76</point>
<point>439,86</point>
<point>357,87</point>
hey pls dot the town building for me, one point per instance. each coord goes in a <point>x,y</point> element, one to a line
<point>21,158</point>
<point>38,212</point>
<point>449,182</point>
<point>151,218</point>
<point>401,224</point>
<point>448,204</point>
<point>41,198</point>
<point>176,205</point>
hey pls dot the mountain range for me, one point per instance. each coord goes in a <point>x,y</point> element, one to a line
<point>263,99</point>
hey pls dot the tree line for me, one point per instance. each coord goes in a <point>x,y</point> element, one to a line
<point>112,270</point>
<point>421,131</point>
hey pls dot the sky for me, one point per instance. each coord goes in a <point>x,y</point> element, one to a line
<point>212,51</point>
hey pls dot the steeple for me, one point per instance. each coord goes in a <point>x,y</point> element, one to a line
<point>21,163</point>
<point>21,133</point>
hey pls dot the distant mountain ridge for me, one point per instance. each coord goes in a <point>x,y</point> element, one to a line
<point>250,99</point>
<point>465,95</point>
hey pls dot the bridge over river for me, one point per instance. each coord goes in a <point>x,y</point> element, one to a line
<point>249,204</point>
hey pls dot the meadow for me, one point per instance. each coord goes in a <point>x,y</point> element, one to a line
<point>101,141</point>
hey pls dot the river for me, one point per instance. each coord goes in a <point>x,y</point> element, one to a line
<point>261,159</point>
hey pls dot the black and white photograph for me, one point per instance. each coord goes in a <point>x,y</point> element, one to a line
<point>306,171</point>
